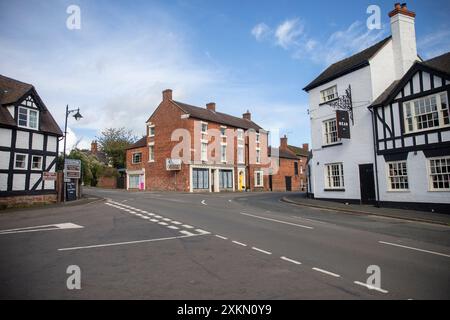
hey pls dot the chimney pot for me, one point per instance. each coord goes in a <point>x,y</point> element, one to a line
<point>284,142</point>
<point>247,116</point>
<point>167,94</point>
<point>211,106</point>
<point>306,146</point>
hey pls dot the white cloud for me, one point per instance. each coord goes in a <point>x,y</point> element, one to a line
<point>74,141</point>
<point>288,32</point>
<point>260,31</point>
<point>434,44</point>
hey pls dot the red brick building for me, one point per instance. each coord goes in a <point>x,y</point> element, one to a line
<point>291,173</point>
<point>195,149</point>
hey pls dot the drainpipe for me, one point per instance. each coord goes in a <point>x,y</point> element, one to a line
<point>375,156</point>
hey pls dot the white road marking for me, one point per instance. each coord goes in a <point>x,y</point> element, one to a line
<point>187,233</point>
<point>150,214</point>
<point>162,223</point>
<point>154,220</point>
<point>204,203</point>
<point>327,272</point>
<point>260,250</point>
<point>145,217</point>
<point>229,200</point>
<point>239,243</point>
<point>187,226</point>
<point>173,227</point>
<point>290,260</point>
<point>368,286</point>
<point>278,221</point>
<point>221,237</point>
<point>176,222</point>
<point>49,227</point>
<point>416,249</point>
<point>202,231</point>
<point>128,242</point>
<point>158,217</point>
<point>167,219</point>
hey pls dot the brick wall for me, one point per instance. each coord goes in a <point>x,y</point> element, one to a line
<point>26,201</point>
<point>107,182</point>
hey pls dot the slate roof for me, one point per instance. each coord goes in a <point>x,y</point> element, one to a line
<point>11,92</point>
<point>218,117</point>
<point>441,63</point>
<point>282,153</point>
<point>345,66</point>
<point>138,144</point>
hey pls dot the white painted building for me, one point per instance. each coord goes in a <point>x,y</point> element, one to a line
<point>28,143</point>
<point>383,79</point>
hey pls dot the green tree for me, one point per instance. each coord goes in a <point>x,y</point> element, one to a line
<point>91,168</point>
<point>114,141</point>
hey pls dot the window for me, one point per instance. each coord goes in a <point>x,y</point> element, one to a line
<point>151,131</point>
<point>328,94</point>
<point>204,151</point>
<point>439,170</point>
<point>204,127</point>
<point>240,134</point>
<point>36,163</point>
<point>258,156</point>
<point>397,176</point>
<point>200,179</point>
<point>226,179</point>
<point>20,161</point>
<point>330,135</point>
<point>133,181</point>
<point>427,113</point>
<point>222,131</point>
<point>240,154</point>
<point>151,153</point>
<point>137,157</point>
<point>334,175</point>
<point>28,118</point>
<point>301,169</point>
<point>259,182</point>
<point>257,137</point>
<point>223,153</point>
<point>296,168</point>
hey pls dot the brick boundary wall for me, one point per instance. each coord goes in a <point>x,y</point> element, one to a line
<point>26,201</point>
<point>107,182</point>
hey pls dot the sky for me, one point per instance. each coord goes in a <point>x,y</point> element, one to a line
<point>243,55</point>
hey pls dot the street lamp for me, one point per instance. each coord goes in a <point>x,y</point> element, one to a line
<point>77,117</point>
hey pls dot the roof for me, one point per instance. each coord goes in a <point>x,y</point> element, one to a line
<point>440,63</point>
<point>282,153</point>
<point>299,151</point>
<point>218,117</point>
<point>138,144</point>
<point>345,66</point>
<point>11,92</point>
<point>100,155</point>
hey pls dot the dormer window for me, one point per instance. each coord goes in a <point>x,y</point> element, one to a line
<point>328,94</point>
<point>28,118</point>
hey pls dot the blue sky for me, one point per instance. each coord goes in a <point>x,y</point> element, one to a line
<point>255,55</point>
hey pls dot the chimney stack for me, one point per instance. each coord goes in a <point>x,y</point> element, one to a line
<point>94,148</point>
<point>306,146</point>
<point>403,38</point>
<point>211,106</point>
<point>284,143</point>
<point>247,116</point>
<point>167,94</point>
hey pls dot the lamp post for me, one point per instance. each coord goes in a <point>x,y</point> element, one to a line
<point>77,117</point>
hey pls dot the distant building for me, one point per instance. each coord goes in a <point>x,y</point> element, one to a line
<point>398,153</point>
<point>98,154</point>
<point>28,145</point>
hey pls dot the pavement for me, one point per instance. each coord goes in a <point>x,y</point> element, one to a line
<point>152,245</point>
<point>410,215</point>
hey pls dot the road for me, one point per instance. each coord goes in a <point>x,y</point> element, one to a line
<point>153,245</point>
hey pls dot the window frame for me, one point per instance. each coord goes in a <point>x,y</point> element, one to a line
<point>261,173</point>
<point>204,151</point>
<point>329,179</point>
<point>239,159</point>
<point>325,128</point>
<point>335,94</point>
<point>25,161</point>
<point>240,134</point>
<point>258,156</point>
<point>223,154</point>
<point>430,180</point>
<point>151,152</point>
<point>133,157</point>
<point>389,177</point>
<point>28,118</point>
<point>40,163</point>
<point>150,129</point>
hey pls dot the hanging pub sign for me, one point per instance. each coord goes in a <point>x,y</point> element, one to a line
<point>343,124</point>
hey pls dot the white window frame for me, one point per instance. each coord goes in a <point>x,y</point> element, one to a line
<point>224,128</point>
<point>240,135</point>
<point>25,161</point>
<point>223,155</point>
<point>430,180</point>
<point>327,134</point>
<point>326,96</point>
<point>28,115</point>
<point>258,137</point>
<point>133,159</point>
<point>329,179</point>
<point>258,156</point>
<point>151,152</point>
<point>411,114</point>
<point>150,127</point>
<point>204,151</point>
<point>261,174</point>
<point>201,127</point>
<point>40,162</point>
<point>241,160</point>
<point>390,178</point>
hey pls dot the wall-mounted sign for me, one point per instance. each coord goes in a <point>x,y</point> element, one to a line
<point>72,169</point>
<point>343,124</point>
<point>173,164</point>
<point>49,176</point>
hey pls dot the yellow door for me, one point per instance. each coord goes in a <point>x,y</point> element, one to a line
<point>241,180</point>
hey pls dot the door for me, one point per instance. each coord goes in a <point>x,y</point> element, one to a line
<point>288,183</point>
<point>367,183</point>
<point>241,181</point>
<point>213,184</point>
<point>270,183</point>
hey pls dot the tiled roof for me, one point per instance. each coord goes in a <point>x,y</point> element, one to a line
<point>282,153</point>
<point>138,144</point>
<point>345,66</point>
<point>299,151</point>
<point>12,90</point>
<point>218,117</point>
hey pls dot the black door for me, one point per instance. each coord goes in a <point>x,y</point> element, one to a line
<point>288,183</point>
<point>367,183</point>
<point>270,182</point>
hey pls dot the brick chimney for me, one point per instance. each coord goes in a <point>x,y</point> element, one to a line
<point>211,106</point>
<point>94,147</point>
<point>247,116</point>
<point>284,143</point>
<point>306,146</point>
<point>167,94</point>
<point>403,38</point>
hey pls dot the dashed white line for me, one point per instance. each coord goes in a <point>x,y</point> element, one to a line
<point>176,222</point>
<point>167,219</point>
<point>150,214</point>
<point>327,272</point>
<point>239,243</point>
<point>187,233</point>
<point>416,249</point>
<point>274,220</point>
<point>261,250</point>
<point>163,223</point>
<point>158,217</point>
<point>368,286</point>
<point>154,220</point>
<point>173,227</point>
<point>221,237</point>
<point>290,260</point>
<point>202,231</point>
<point>188,226</point>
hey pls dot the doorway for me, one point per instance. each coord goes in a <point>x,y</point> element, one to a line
<point>288,183</point>
<point>367,183</point>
